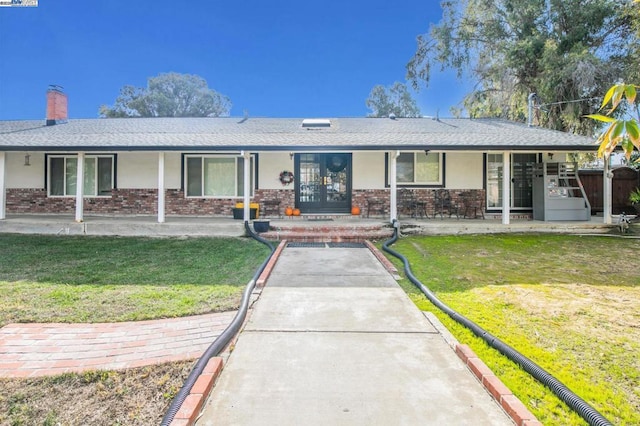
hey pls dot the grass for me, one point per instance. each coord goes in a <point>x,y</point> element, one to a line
<point>106,279</point>
<point>569,303</point>
<point>109,279</point>
<point>137,396</point>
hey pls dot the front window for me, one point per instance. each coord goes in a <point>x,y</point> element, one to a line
<point>215,176</point>
<point>494,180</point>
<point>419,168</point>
<point>98,175</point>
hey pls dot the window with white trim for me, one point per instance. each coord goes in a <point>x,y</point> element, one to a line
<point>419,168</point>
<point>63,175</point>
<point>216,176</point>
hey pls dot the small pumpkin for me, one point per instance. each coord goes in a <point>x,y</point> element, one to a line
<point>296,212</point>
<point>288,211</point>
<point>355,210</point>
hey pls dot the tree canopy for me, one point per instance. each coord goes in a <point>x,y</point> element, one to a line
<point>568,52</point>
<point>623,131</point>
<point>393,100</point>
<point>169,95</point>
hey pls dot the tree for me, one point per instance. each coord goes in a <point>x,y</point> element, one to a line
<point>624,129</point>
<point>565,51</point>
<point>169,95</point>
<point>396,100</point>
<point>634,160</point>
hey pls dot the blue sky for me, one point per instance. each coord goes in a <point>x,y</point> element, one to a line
<point>279,58</point>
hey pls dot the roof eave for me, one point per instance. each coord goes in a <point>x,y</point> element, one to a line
<point>480,148</point>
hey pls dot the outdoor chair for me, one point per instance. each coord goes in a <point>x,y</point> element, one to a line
<point>375,205</point>
<point>410,205</point>
<point>407,204</point>
<point>271,207</point>
<point>473,205</point>
<point>444,205</point>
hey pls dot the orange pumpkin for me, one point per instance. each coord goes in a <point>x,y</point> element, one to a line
<point>296,212</point>
<point>355,210</point>
<point>288,211</point>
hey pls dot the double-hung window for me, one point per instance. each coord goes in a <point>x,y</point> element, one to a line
<point>216,176</point>
<point>63,175</point>
<point>419,168</point>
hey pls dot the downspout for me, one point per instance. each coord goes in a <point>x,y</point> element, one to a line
<point>393,207</point>
<point>247,187</point>
<point>3,186</point>
<point>161,187</point>
<point>607,190</point>
<point>506,187</point>
<point>80,188</point>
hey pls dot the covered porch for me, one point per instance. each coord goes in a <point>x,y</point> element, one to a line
<point>303,228</point>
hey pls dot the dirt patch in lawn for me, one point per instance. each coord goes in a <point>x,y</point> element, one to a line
<point>136,396</point>
<point>591,309</point>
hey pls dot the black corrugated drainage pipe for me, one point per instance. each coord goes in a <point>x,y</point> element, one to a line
<point>577,404</point>
<point>222,340</point>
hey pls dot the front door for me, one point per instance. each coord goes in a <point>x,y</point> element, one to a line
<point>521,181</point>
<point>323,183</point>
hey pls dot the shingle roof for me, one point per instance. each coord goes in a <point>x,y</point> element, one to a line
<point>284,134</point>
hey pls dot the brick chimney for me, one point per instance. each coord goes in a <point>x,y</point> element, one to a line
<point>56,106</point>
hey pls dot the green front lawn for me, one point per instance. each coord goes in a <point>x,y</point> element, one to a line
<point>106,279</point>
<point>569,303</point>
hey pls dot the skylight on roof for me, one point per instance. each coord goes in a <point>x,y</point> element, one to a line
<point>315,123</point>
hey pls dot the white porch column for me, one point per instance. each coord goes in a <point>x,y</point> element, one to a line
<point>3,186</point>
<point>393,202</point>
<point>607,189</point>
<point>247,185</point>
<point>161,187</point>
<point>506,188</point>
<point>80,188</point>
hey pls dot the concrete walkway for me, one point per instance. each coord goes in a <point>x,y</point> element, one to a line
<point>31,350</point>
<point>333,340</point>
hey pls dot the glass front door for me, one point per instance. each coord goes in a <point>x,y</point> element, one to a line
<point>324,182</point>
<point>521,181</point>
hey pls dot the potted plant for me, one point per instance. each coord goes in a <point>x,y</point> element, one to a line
<point>634,199</point>
<point>261,226</point>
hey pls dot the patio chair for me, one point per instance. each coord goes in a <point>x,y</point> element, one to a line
<point>407,203</point>
<point>271,207</point>
<point>444,205</point>
<point>375,205</point>
<point>473,204</point>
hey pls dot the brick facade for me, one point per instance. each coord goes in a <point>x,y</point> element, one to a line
<point>144,202</point>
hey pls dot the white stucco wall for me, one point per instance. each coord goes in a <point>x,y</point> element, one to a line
<point>20,176</point>
<point>137,170</point>
<point>172,169</point>
<point>270,165</point>
<point>368,170</point>
<point>464,170</point>
<point>558,157</point>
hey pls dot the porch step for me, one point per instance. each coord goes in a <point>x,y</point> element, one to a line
<point>342,233</point>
